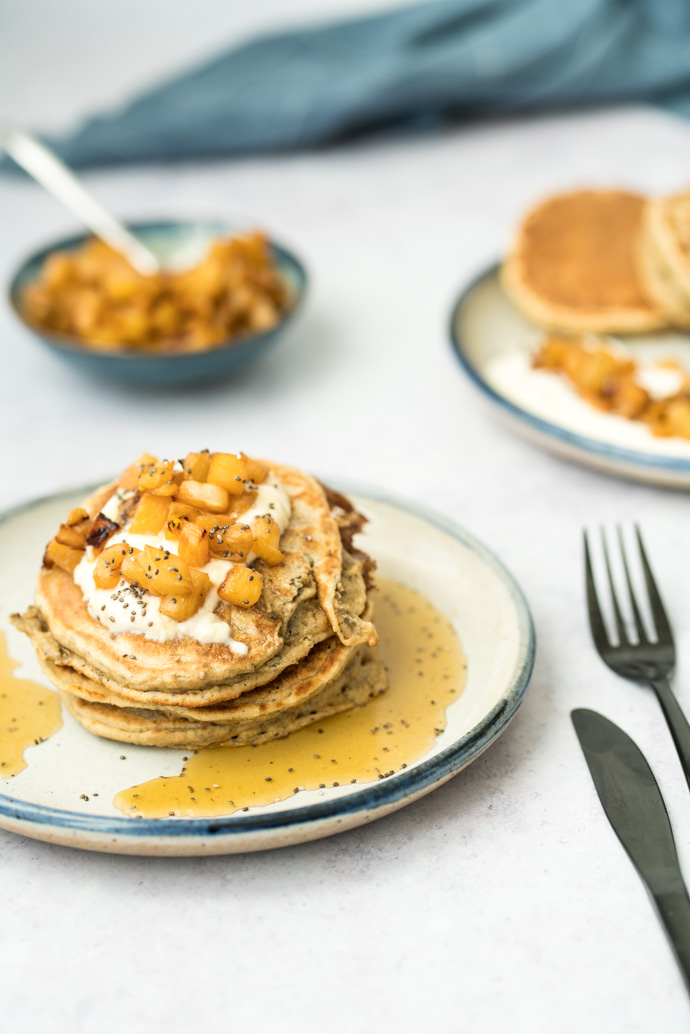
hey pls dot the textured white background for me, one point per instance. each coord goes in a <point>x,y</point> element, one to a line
<point>503,901</point>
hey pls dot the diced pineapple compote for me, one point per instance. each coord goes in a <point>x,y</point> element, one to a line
<point>214,522</point>
<point>77,516</point>
<point>181,608</point>
<point>266,529</point>
<point>226,538</point>
<point>107,572</point>
<point>610,381</point>
<point>100,530</point>
<point>164,572</point>
<point>129,478</point>
<point>238,288</point>
<point>256,471</point>
<point>241,586</point>
<point>239,504</point>
<point>155,475</point>
<point>192,545</point>
<point>74,535</point>
<point>59,555</point>
<point>168,489</point>
<point>179,515</point>
<point>266,539</point>
<point>229,471</point>
<point>237,541</point>
<point>196,465</point>
<point>213,498</point>
<point>131,566</point>
<point>150,515</point>
<point>68,546</point>
<point>198,503</point>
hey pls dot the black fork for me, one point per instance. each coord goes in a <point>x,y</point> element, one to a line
<point>648,661</point>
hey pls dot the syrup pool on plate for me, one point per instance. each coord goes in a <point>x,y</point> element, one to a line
<point>29,714</point>
<point>426,671</point>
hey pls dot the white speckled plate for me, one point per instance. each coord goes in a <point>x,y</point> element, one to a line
<point>492,341</point>
<point>464,580</point>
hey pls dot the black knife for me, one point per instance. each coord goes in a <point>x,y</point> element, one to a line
<point>632,800</point>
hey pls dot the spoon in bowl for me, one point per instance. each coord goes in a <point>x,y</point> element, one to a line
<point>47,169</point>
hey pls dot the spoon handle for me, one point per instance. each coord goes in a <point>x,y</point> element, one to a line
<point>49,171</point>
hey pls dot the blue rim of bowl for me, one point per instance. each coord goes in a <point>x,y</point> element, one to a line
<point>576,441</point>
<point>379,795</point>
<point>286,260</point>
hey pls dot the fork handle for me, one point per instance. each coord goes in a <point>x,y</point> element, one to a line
<point>676,720</point>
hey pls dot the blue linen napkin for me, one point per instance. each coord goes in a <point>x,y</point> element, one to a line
<point>407,67</point>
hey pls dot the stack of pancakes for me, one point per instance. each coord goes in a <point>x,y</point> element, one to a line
<point>309,640</point>
<point>603,261</point>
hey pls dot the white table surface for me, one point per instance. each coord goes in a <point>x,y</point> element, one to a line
<point>503,901</point>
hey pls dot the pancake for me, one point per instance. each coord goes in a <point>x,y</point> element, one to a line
<point>363,678</point>
<point>307,627</point>
<point>297,649</point>
<point>312,567</point>
<point>573,266</point>
<point>293,687</point>
<point>664,254</point>
<point>659,280</point>
<point>294,683</point>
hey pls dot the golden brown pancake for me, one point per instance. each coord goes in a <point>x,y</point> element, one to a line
<point>307,627</point>
<point>363,678</point>
<point>573,266</point>
<point>657,275</point>
<point>313,567</point>
<point>293,685</point>
<point>308,638</point>
<point>664,254</point>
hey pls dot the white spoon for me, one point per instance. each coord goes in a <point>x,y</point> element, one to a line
<point>45,167</point>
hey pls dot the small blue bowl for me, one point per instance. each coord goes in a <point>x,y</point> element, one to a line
<point>162,368</point>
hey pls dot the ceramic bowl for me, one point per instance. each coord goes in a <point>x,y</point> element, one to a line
<point>162,368</point>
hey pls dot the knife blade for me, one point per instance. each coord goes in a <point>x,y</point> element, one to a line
<point>632,801</point>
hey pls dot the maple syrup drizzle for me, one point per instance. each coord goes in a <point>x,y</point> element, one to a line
<point>29,714</point>
<point>426,670</point>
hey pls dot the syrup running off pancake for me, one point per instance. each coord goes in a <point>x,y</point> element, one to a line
<point>29,714</point>
<point>426,668</point>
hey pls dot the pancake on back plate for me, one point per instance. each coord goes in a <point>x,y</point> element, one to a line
<point>663,255</point>
<point>573,266</point>
<point>206,600</point>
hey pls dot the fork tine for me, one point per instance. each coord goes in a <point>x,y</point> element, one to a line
<point>596,621</point>
<point>641,634</point>
<point>663,628</point>
<point>622,634</point>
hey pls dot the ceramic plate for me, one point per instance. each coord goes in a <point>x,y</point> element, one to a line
<point>493,341</point>
<point>465,581</point>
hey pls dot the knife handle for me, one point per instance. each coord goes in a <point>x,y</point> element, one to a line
<point>673,907</point>
<point>676,721</point>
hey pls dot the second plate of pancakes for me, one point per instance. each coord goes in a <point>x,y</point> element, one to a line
<point>580,264</point>
<point>494,344</point>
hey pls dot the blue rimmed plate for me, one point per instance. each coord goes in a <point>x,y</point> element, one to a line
<point>493,344</point>
<point>164,368</point>
<point>465,581</point>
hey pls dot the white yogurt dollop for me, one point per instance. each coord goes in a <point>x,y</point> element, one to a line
<point>660,381</point>
<point>127,609</point>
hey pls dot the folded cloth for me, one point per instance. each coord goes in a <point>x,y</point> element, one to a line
<point>406,67</point>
